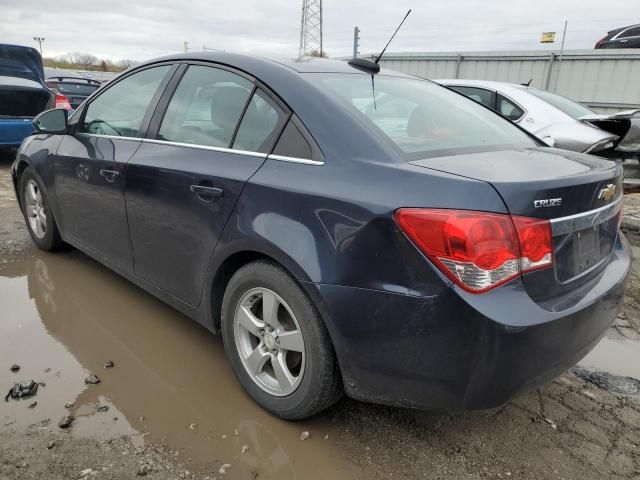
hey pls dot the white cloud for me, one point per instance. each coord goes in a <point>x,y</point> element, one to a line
<point>144,29</point>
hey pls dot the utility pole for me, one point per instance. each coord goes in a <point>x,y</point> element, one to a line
<point>185,46</point>
<point>311,28</point>
<point>564,34</point>
<point>39,40</point>
<point>356,41</point>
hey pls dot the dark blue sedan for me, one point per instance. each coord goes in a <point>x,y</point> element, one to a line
<point>346,230</point>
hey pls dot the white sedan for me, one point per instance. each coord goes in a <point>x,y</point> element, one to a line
<point>555,119</point>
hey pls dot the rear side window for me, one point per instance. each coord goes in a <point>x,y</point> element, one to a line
<point>293,144</point>
<point>509,109</point>
<point>206,107</point>
<point>120,109</point>
<point>480,95</point>
<point>260,125</point>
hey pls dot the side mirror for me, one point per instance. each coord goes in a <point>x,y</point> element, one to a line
<point>52,121</point>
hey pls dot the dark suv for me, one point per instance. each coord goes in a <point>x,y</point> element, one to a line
<point>76,89</point>
<point>625,37</point>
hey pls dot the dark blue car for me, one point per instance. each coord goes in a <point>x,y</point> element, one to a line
<point>345,230</point>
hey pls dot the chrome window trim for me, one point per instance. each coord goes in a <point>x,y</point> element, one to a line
<point>115,137</point>
<point>204,147</point>
<point>584,220</point>
<point>304,161</point>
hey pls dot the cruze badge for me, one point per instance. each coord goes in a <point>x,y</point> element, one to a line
<point>607,192</point>
<point>547,202</point>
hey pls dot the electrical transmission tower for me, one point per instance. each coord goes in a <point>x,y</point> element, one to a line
<point>311,28</point>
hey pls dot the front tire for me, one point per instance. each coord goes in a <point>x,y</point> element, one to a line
<point>277,343</point>
<point>37,212</point>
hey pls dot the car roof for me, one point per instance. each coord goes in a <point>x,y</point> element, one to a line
<point>300,65</point>
<point>479,83</point>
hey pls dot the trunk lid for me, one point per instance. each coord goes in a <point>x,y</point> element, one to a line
<point>579,194</point>
<point>22,62</point>
<point>626,125</point>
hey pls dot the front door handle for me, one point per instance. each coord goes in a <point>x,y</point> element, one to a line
<point>109,175</point>
<point>206,194</point>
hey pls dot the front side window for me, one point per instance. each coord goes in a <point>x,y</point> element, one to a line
<point>480,95</point>
<point>509,109</point>
<point>206,107</point>
<point>120,109</point>
<point>427,119</point>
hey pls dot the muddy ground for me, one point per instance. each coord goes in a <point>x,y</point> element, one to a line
<point>171,406</point>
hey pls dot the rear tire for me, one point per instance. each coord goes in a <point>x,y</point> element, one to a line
<point>37,212</point>
<point>284,359</point>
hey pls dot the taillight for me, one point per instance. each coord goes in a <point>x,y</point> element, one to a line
<point>62,102</point>
<point>478,250</point>
<point>601,41</point>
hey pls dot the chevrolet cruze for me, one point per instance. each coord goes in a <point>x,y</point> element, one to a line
<point>346,229</point>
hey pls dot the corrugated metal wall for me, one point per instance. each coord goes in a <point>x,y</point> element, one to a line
<point>607,80</point>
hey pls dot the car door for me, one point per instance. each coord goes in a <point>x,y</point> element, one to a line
<point>208,137</point>
<point>89,168</point>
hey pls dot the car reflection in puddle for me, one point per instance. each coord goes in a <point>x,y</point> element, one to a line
<point>171,382</point>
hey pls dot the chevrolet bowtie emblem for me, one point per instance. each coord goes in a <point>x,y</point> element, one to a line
<point>607,192</point>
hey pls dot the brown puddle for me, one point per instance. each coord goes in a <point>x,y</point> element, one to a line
<point>68,313</point>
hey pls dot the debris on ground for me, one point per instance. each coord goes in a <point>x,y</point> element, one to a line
<point>235,432</point>
<point>193,426</point>
<point>42,384</point>
<point>33,404</point>
<point>51,444</point>
<point>69,405</point>
<point>326,437</point>
<point>108,364</point>
<point>608,381</point>
<point>92,379</point>
<point>304,435</point>
<point>223,468</point>
<point>551,423</point>
<point>15,367</point>
<point>47,370</point>
<point>86,472</point>
<point>245,449</point>
<point>102,408</point>
<point>143,470</point>
<point>66,421</point>
<point>22,390</point>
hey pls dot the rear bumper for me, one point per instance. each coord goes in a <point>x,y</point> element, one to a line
<point>464,351</point>
<point>13,131</point>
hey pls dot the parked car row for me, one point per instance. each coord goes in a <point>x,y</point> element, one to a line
<point>347,229</point>
<point>557,120</point>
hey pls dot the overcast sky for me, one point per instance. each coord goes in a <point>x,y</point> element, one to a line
<point>142,29</point>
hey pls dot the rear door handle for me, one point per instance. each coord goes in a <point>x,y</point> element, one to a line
<point>206,194</point>
<point>109,175</point>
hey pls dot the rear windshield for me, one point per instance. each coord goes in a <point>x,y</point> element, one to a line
<point>571,108</point>
<point>73,88</point>
<point>422,118</point>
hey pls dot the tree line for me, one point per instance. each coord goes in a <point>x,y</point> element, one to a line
<point>86,61</point>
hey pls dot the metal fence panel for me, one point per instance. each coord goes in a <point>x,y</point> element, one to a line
<point>607,80</point>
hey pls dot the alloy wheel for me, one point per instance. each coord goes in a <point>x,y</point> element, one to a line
<point>269,341</point>
<point>35,208</point>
